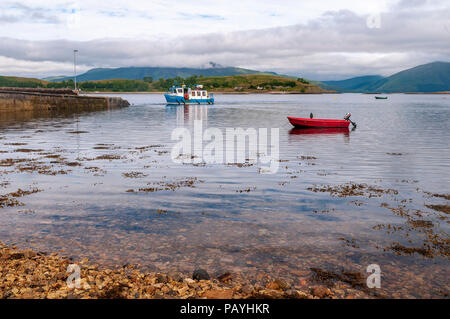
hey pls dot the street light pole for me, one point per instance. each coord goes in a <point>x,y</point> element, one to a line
<point>75,67</point>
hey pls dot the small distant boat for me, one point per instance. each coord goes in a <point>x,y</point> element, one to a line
<point>299,122</point>
<point>186,95</point>
<point>381,97</point>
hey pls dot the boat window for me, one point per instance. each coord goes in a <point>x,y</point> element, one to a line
<point>204,93</point>
<point>193,93</point>
<point>179,90</point>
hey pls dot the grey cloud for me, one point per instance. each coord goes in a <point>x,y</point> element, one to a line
<point>32,14</point>
<point>338,43</point>
<point>8,19</point>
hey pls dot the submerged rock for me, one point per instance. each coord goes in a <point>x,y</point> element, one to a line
<point>200,274</point>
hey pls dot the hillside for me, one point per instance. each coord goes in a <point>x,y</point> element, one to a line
<point>14,81</point>
<point>156,73</point>
<point>367,83</point>
<point>431,77</point>
<point>257,83</point>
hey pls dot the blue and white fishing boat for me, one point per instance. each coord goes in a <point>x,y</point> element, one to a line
<point>186,95</point>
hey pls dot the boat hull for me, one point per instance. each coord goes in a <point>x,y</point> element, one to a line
<point>174,99</point>
<point>299,122</point>
<point>315,130</point>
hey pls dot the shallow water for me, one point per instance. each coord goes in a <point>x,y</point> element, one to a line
<point>228,217</point>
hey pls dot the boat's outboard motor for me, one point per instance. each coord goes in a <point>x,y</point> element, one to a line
<point>347,118</point>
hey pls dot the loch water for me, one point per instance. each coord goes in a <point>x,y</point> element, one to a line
<point>106,187</point>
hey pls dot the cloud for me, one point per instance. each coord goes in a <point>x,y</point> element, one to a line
<point>26,13</point>
<point>336,44</point>
<point>10,66</point>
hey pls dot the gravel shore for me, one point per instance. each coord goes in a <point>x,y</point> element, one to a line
<point>38,275</point>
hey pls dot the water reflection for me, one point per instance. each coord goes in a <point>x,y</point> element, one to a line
<point>299,134</point>
<point>187,114</point>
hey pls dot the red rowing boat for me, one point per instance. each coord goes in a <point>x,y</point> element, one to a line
<point>317,123</point>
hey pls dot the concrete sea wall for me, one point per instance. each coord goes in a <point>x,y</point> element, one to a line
<point>20,100</point>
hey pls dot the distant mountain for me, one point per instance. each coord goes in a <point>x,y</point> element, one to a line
<point>55,78</point>
<point>358,84</point>
<point>138,73</point>
<point>431,77</point>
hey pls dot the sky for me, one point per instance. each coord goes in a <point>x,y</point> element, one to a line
<point>316,39</point>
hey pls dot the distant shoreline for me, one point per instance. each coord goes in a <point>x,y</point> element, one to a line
<point>274,93</point>
<point>221,92</point>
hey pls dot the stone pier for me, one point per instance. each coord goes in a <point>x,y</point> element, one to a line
<point>37,99</point>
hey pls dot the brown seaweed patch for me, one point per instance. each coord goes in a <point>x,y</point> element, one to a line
<point>351,189</point>
<point>305,157</point>
<point>72,163</point>
<point>165,186</point>
<point>246,190</point>
<point>240,164</point>
<point>433,243</point>
<point>403,250</point>
<point>349,242</point>
<point>54,156</point>
<point>8,200</point>
<point>445,196</point>
<point>20,192</point>
<point>101,146</point>
<point>146,190</point>
<point>441,208</point>
<point>108,157</point>
<point>407,181</point>
<point>27,150</point>
<point>40,168</point>
<point>77,132</point>
<point>12,161</point>
<point>27,211</point>
<point>92,168</point>
<point>147,147</point>
<point>420,223</point>
<point>329,278</point>
<point>16,144</point>
<point>134,175</point>
<point>4,183</point>
<point>394,154</point>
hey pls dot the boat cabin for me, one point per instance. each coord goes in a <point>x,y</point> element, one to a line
<point>183,95</point>
<point>186,92</point>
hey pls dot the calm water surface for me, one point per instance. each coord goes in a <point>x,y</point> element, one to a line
<point>228,217</point>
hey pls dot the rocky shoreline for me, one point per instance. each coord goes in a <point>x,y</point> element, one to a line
<point>39,275</point>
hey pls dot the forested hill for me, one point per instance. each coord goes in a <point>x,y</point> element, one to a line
<point>156,73</point>
<point>431,77</point>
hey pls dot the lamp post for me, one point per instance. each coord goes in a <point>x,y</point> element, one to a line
<point>75,67</point>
